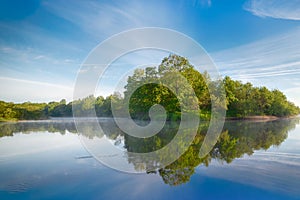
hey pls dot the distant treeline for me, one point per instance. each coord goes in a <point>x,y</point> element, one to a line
<point>242,99</point>
<point>35,111</point>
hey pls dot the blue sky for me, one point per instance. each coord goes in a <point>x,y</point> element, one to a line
<point>43,43</point>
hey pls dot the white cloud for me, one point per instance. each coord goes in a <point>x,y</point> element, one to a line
<point>279,9</point>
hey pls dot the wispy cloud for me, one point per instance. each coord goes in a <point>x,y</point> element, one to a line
<point>30,50</point>
<point>274,62</point>
<point>36,64</point>
<point>279,9</point>
<point>29,34</point>
<point>274,56</point>
<point>202,3</point>
<point>12,55</point>
<point>115,75</point>
<point>20,90</point>
<point>101,19</point>
<point>36,54</point>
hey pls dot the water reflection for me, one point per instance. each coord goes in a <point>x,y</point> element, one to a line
<point>237,139</point>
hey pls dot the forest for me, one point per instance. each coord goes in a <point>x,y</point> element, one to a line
<point>143,90</point>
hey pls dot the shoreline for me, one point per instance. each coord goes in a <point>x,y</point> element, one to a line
<point>246,118</point>
<point>255,118</point>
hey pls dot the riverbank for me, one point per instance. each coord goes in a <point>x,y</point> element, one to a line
<point>8,120</point>
<point>245,118</point>
<point>255,118</point>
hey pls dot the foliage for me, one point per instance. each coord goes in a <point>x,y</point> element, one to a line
<point>147,87</point>
<point>241,99</point>
<point>246,100</point>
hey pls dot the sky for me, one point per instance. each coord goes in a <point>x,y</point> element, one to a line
<point>43,43</point>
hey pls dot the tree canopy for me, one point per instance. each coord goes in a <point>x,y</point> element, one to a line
<point>242,99</point>
<point>146,87</point>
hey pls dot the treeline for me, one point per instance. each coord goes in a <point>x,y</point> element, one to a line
<point>146,88</point>
<point>241,99</point>
<point>246,100</point>
<point>35,111</point>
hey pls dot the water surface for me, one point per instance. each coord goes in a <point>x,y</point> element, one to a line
<point>46,160</point>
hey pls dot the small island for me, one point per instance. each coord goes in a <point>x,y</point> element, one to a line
<point>243,100</point>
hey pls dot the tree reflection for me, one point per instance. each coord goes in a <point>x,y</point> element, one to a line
<point>237,139</point>
<point>9,129</point>
<point>88,128</point>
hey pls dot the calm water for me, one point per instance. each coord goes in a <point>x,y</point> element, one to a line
<point>46,160</point>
